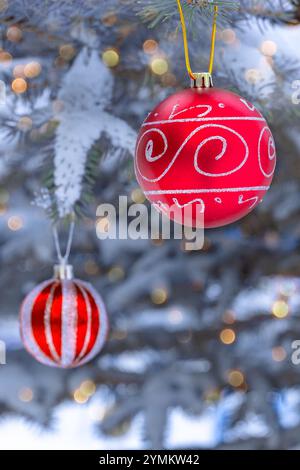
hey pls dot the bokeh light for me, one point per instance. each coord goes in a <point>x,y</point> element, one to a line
<point>150,46</point>
<point>253,76</point>
<point>32,69</point>
<point>235,378</point>
<point>19,85</point>
<point>228,36</point>
<point>268,48</point>
<point>14,34</point>
<point>159,65</point>
<point>279,354</point>
<point>138,196</point>
<point>25,394</point>
<point>116,273</point>
<point>15,223</point>
<point>111,57</point>
<point>5,58</point>
<point>67,52</point>
<point>159,295</point>
<point>227,336</point>
<point>175,316</point>
<point>25,123</point>
<point>280,309</point>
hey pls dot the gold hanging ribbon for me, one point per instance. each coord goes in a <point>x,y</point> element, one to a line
<point>185,41</point>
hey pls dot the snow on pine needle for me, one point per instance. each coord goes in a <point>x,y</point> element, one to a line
<point>85,94</point>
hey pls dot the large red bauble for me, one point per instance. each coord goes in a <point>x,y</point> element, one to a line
<point>207,148</point>
<point>63,323</point>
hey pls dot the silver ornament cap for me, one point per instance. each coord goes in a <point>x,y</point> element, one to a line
<point>63,272</point>
<point>202,80</point>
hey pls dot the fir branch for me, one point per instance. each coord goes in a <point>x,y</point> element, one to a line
<point>286,11</point>
<point>158,11</point>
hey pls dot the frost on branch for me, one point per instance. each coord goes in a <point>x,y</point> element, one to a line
<point>85,94</point>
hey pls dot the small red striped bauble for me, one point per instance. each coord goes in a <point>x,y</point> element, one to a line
<point>63,322</point>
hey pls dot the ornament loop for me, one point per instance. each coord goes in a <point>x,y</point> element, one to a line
<point>185,41</point>
<point>63,259</point>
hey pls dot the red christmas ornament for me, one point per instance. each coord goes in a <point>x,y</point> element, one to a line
<point>208,150</point>
<point>63,321</point>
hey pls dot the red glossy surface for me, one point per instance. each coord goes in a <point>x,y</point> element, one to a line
<point>206,150</point>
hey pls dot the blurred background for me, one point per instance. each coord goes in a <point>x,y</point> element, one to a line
<point>200,349</point>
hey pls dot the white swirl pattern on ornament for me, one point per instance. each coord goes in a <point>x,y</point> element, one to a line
<point>244,201</point>
<point>198,106</point>
<point>250,106</point>
<point>198,200</point>
<point>223,151</point>
<point>150,148</point>
<point>271,152</point>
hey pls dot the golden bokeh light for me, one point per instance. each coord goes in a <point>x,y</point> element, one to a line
<point>159,295</point>
<point>280,309</point>
<point>32,69</point>
<point>111,57</point>
<point>159,65</point>
<point>235,378</point>
<point>116,273</point>
<point>80,397</point>
<point>87,388</point>
<point>19,85</point>
<point>67,52</point>
<point>227,336</point>
<point>138,196</point>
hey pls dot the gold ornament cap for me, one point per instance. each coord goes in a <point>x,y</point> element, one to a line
<point>202,80</point>
<point>63,272</point>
